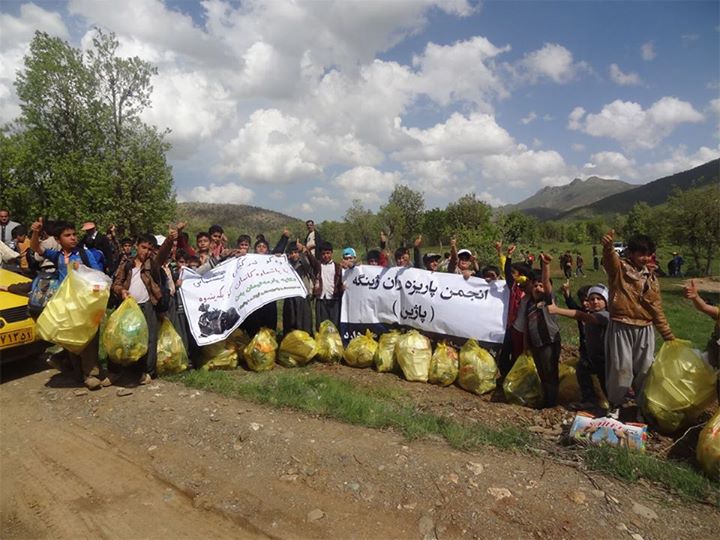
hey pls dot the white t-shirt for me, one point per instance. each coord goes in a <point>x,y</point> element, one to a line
<point>138,290</point>
<point>328,280</point>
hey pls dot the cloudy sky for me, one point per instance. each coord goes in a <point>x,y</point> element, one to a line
<point>304,106</point>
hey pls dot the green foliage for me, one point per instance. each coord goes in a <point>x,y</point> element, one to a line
<point>401,218</point>
<point>363,225</point>
<point>79,149</point>
<point>434,223</point>
<point>468,212</point>
<point>517,227</point>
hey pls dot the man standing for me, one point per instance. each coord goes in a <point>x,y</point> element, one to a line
<point>6,227</point>
<point>313,240</point>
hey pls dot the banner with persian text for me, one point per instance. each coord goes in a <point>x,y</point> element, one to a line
<point>436,303</point>
<point>218,301</point>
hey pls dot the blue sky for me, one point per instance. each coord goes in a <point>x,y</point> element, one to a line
<point>303,107</point>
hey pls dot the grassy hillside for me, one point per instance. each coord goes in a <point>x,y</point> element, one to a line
<point>238,219</point>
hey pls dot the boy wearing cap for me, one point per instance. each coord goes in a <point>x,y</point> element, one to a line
<point>349,259</point>
<point>461,261</point>
<point>328,287</point>
<point>595,322</point>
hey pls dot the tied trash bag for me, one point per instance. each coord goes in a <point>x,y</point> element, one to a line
<point>239,339</point>
<point>477,371</point>
<point>443,365</point>
<point>72,316</point>
<point>385,359</point>
<point>360,351</point>
<point>329,342</point>
<point>216,356</point>
<point>414,352</point>
<point>708,447</point>
<point>569,389</point>
<point>678,387</point>
<point>297,349</point>
<point>171,355</point>
<point>125,337</point>
<point>522,384</point>
<point>260,352</point>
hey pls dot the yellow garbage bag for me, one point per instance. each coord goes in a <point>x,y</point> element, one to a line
<point>260,352</point>
<point>239,339</point>
<point>125,337</point>
<point>329,342</point>
<point>478,370</point>
<point>414,352</point>
<point>171,355</point>
<point>72,316</point>
<point>297,349</point>
<point>217,356</point>
<point>522,385</point>
<point>708,447</point>
<point>443,365</point>
<point>678,387</point>
<point>385,359</point>
<point>360,351</point>
<point>569,389</point>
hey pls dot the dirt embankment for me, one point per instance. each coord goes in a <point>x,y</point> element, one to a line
<point>170,462</point>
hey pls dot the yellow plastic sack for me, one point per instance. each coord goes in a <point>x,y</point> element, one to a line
<point>72,316</point>
<point>329,342</point>
<point>443,365</point>
<point>239,339</point>
<point>414,352</point>
<point>125,337</point>
<point>298,348</point>
<point>260,352</point>
<point>678,387</point>
<point>171,355</point>
<point>522,385</point>
<point>221,355</point>
<point>477,371</point>
<point>569,389</point>
<point>360,351</point>
<point>708,447</point>
<point>385,359</point>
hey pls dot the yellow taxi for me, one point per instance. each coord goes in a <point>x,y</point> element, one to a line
<point>18,338</point>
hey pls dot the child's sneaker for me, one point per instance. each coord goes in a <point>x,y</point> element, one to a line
<point>614,413</point>
<point>145,379</point>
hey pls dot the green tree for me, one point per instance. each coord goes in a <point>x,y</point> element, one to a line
<point>518,228</point>
<point>401,218</point>
<point>362,225</point>
<point>79,145</point>
<point>468,212</point>
<point>433,227</point>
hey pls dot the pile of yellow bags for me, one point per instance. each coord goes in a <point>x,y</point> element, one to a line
<point>171,355</point>
<point>522,385</point>
<point>72,316</point>
<point>239,339</point>
<point>478,371</point>
<point>385,359</point>
<point>221,355</point>
<point>298,348</point>
<point>414,352</point>
<point>443,365</point>
<point>678,387</point>
<point>708,447</point>
<point>569,389</point>
<point>360,351</point>
<point>330,347</point>
<point>125,337</point>
<point>260,352</point>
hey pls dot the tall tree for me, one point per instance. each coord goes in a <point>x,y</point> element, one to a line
<point>79,143</point>
<point>402,216</point>
<point>363,225</point>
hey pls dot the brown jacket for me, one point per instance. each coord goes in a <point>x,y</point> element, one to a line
<point>149,273</point>
<point>634,294</point>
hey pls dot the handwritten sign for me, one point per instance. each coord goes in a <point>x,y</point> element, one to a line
<point>217,302</point>
<point>433,302</point>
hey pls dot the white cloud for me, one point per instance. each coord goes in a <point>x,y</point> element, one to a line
<point>366,183</point>
<point>475,135</point>
<point>531,117</point>
<point>491,199</point>
<point>647,50</point>
<point>439,177</point>
<point>524,167</point>
<point>611,165</point>
<point>218,193</point>
<point>679,160</point>
<point>578,147</point>
<point>631,125</point>
<point>553,62</point>
<point>624,79</point>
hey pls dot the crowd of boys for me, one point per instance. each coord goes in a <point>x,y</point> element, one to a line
<point>615,321</point>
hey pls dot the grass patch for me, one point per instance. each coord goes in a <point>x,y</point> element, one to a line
<point>329,397</point>
<point>679,478</point>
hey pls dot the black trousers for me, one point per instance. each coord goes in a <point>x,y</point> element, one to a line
<point>547,361</point>
<point>327,310</point>
<point>297,315</point>
<point>265,317</point>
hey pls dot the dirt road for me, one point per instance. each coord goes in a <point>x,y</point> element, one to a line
<point>170,462</point>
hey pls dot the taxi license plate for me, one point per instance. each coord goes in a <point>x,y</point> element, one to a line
<point>16,337</point>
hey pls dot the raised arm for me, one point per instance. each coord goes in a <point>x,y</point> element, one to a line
<point>452,265</point>
<point>690,292</point>
<point>417,258</point>
<point>578,315</point>
<point>610,259</point>
<point>547,283</point>
<point>35,237</point>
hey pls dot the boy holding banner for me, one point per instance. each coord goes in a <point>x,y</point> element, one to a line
<point>328,287</point>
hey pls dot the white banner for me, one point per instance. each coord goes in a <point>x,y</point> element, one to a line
<point>432,302</point>
<point>217,302</point>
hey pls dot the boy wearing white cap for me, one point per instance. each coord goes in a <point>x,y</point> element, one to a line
<point>593,363</point>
